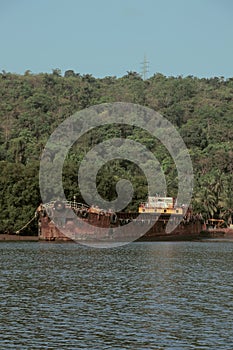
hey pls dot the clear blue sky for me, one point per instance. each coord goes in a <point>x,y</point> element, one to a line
<point>111,37</point>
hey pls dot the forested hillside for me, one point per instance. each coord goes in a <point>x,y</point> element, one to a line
<point>32,106</point>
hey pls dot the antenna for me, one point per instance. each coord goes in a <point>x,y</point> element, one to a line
<point>145,68</point>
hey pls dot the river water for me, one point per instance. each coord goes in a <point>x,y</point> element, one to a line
<point>139,296</point>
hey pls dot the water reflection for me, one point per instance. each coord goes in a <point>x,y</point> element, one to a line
<point>139,296</point>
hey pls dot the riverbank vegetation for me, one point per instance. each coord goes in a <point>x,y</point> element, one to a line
<point>32,106</point>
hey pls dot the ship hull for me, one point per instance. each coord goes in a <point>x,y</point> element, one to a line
<point>88,228</point>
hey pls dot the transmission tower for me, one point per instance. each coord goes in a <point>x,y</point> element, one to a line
<point>145,68</point>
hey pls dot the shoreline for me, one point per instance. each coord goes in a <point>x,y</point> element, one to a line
<point>6,237</point>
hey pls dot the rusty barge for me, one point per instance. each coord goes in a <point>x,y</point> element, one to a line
<point>71,221</point>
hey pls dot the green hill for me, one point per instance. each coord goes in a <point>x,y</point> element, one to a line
<point>32,106</point>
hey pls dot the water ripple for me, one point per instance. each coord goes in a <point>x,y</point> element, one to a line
<point>140,296</point>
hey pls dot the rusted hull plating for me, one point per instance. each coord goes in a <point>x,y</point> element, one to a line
<point>70,229</point>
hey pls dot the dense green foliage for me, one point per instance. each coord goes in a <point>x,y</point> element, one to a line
<point>32,106</point>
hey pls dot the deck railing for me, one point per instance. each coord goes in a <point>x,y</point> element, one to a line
<point>67,204</point>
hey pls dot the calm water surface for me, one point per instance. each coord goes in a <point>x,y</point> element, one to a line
<point>140,296</point>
